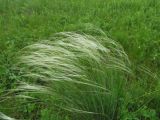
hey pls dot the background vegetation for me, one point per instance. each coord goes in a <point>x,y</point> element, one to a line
<point>135,24</point>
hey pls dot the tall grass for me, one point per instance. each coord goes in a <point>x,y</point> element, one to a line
<point>80,76</point>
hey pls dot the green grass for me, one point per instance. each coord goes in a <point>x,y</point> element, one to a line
<point>83,74</point>
<point>135,24</point>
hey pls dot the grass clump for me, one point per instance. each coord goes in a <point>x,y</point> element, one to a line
<point>85,75</point>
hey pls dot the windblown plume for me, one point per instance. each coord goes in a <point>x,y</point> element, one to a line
<point>81,74</point>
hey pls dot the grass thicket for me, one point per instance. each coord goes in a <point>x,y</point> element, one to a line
<point>99,69</point>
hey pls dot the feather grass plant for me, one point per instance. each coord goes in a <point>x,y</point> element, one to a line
<point>79,75</point>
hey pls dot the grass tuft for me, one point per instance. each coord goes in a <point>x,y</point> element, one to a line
<point>84,74</point>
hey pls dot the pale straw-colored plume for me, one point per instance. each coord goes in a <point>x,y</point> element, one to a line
<point>77,73</point>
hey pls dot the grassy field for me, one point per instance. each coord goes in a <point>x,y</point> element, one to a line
<point>135,24</point>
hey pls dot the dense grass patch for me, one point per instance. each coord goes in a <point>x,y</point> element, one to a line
<point>84,74</point>
<point>135,24</point>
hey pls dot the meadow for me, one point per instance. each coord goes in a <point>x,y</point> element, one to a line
<point>133,25</point>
